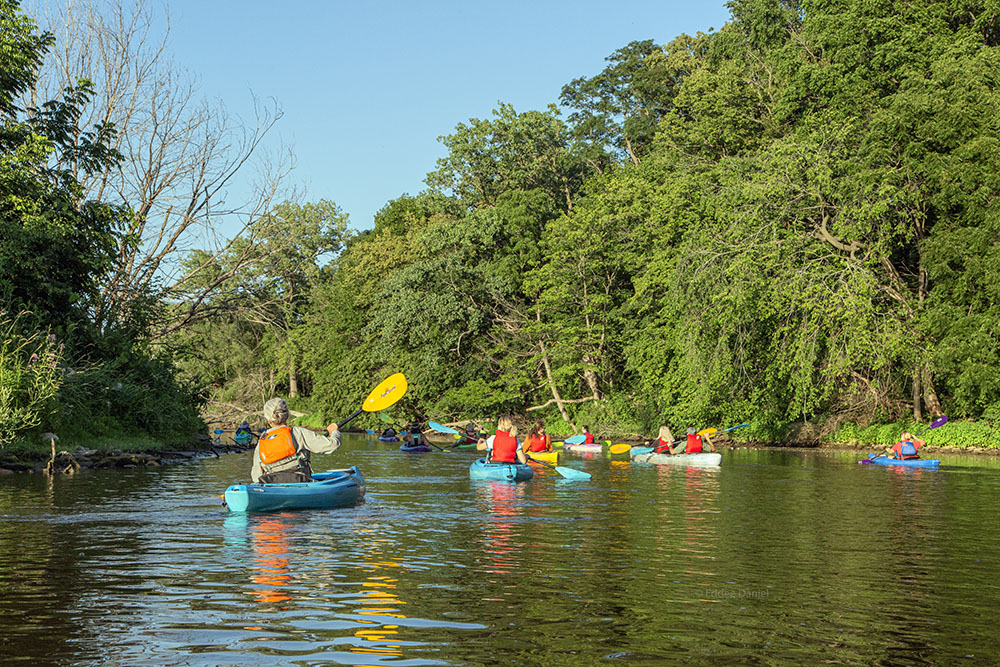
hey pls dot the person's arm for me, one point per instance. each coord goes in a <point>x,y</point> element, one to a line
<point>317,443</point>
<point>521,457</point>
<point>481,444</point>
<point>918,443</point>
<point>548,442</point>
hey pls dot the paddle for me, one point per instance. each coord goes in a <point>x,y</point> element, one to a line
<point>383,396</point>
<point>940,421</point>
<point>440,428</point>
<point>568,473</point>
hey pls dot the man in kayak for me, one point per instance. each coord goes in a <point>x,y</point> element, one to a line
<point>472,434</point>
<point>502,445</point>
<point>282,452</point>
<point>906,448</point>
<point>693,444</point>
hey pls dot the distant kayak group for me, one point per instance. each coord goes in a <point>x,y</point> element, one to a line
<point>283,478</point>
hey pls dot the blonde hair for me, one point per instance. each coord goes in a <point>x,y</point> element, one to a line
<point>505,423</point>
<point>665,434</point>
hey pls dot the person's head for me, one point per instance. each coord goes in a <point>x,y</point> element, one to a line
<point>537,429</point>
<point>692,430</point>
<point>586,429</point>
<point>244,424</point>
<point>665,433</point>
<point>471,427</point>
<point>907,436</point>
<point>506,423</point>
<point>276,411</point>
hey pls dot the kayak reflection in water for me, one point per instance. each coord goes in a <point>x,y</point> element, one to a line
<point>906,448</point>
<point>503,446</point>
<point>282,453</point>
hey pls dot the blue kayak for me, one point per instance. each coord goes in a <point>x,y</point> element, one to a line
<point>507,472</point>
<point>333,488</point>
<point>389,438</point>
<point>912,463</point>
<point>415,448</point>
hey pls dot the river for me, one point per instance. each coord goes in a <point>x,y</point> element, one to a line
<point>776,557</point>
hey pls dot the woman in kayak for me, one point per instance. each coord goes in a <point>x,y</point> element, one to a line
<point>693,444</point>
<point>282,452</point>
<point>664,441</point>
<point>538,440</point>
<point>906,448</point>
<point>588,438</point>
<point>502,445</point>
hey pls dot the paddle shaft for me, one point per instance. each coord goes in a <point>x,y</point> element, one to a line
<point>559,469</point>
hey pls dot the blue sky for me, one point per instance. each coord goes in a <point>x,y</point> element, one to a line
<point>368,87</point>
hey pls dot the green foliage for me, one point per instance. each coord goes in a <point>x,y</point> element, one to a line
<point>952,434</point>
<point>30,376</point>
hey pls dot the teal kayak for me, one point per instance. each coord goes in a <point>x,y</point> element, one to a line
<point>911,463</point>
<point>508,472</point>
<point>333,488</point>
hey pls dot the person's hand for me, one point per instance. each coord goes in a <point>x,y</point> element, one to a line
<point>331,428</point>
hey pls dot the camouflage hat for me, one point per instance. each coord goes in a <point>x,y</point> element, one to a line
<point>276,411</point>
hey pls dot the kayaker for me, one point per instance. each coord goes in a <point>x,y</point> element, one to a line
<point>588,438</point>
<point>664,441</point>
<point>693,444</point>
<point>389,433</point>
<point>502,445</point>
<point>282,452</point>
<point>472,434</point>
<point>906,448</point>
<point>243,435</point>
<point>538,440</point>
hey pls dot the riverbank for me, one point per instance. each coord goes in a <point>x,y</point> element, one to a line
<point>19,457</point>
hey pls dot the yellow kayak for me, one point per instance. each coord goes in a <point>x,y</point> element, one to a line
<point>545,457</point>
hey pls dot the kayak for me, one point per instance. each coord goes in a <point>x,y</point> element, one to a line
<point>415,448</point>
<point>333,488</point>
<point>547,457</point>
<point>699,459</point>
<point>592,447</point>
<point>912,463</point>
<point>388,438</point>
<point>509,472</point>
<point>243,437</point>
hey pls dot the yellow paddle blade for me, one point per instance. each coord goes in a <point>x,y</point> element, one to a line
<point>387,393</point>
<point>708,431</point>
<point>620,449</point>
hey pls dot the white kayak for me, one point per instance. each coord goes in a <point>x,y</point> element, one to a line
<point>700,459</point>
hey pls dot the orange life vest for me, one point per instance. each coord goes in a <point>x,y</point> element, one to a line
<point>504,448</point>
<point>277,448</point>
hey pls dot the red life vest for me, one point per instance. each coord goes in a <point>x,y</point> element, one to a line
<point>276,448</point>
<point>538,443</point>
<point>504,448</point>
<point>663,446</point>
<point>693,444</point>
<point>589,440</point>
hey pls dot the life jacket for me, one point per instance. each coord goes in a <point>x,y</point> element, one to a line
<point>504,448</point>
<point>589,440</point>
<point>693,445</point>
<point>905,449</point>
<point>663,446</point>
<point>277,451</point>
<point>538,443</point>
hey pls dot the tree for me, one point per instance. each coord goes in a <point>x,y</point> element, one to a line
<point>181,157</point>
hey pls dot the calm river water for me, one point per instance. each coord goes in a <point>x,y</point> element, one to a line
<point>776,557</point>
